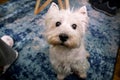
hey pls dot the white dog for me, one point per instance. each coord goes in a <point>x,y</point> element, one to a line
<point>65,32</point>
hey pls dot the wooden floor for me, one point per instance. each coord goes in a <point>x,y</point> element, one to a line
<point>3,1</point>
<point>117,68</point>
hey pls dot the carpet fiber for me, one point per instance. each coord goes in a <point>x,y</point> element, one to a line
<point>18,21</point>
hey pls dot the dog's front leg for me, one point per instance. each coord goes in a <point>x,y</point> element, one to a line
<point>60,77</point>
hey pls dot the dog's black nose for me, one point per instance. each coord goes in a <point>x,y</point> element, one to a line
<point>63,37</point>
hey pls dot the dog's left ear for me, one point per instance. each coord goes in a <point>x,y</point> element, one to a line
<point>53,8</point>
<point>82,10</point>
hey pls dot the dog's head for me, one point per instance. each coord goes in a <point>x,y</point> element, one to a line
<point>65,27</point>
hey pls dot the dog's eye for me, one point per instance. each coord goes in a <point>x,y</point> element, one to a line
<point>58,24</point>
<point>74,26</point>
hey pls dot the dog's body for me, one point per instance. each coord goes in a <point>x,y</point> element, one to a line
<point>65,32</point>
<point>67,61</point>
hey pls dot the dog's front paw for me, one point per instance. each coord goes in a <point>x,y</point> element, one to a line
<point>83,75</point>
<point>60,77</point>
<point>87,55</point>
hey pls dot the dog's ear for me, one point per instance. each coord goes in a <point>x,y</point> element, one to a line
<point>53,8</point>
<point>52,11</point>
<point>83,11</point>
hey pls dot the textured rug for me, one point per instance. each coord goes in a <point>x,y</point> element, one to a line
<point>18,21</point>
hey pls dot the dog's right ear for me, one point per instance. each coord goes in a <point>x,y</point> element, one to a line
<point>83,11</point>
<point>53,8</point>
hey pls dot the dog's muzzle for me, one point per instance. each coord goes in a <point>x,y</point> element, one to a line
<point>63,37</point>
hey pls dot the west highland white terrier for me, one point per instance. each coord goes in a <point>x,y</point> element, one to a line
<point>65,32</point>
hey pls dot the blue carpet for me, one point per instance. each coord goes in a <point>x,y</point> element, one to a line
<point>18,21</point>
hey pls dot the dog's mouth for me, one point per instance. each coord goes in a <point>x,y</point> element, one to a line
<point>64,45</point>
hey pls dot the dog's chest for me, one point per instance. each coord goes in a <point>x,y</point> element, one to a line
<point>63,59</point>
<point>65,55</point>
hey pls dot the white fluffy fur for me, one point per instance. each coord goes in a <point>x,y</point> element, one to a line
<point>8,40</point>
<point>72,56</point>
